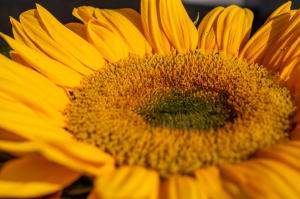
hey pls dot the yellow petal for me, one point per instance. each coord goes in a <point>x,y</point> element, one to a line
<point>10,137</point>
<point>177,25</point>
<point>284,8</point>
<point>55,96</point>
<point>288,68</point>
<point>233,27</point>
<point>247,27</point>
<point>273,177</point>
<point>78,28</point>
<point>211,184</point>
<point>126,29</point>
<point>20,35</point>
<point>283,43</point>
<point>84,13</point>
<point>55,71</point>
<point>128,182</point>
<point>109,44</point>
<point>152,26</point>
<point>22,121</point>
<point>206,29</point>
<point>43,41</point>
<point>226,30</point>
<point>257,46</point>
<point>133,16</point>
<point>17,58</point>
<point>31,99</point>
<point>69,41</point>
<point>179,187</point>
<point>56,151</point>
<point>246,179</point>
<point>33,176</point>
<point>280,177</point>
<point>285,153</point>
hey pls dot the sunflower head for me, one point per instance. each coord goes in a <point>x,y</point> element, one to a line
<point>149,106</point>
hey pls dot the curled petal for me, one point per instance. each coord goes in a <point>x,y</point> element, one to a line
<point>84,13</point>
<point>283,9</point>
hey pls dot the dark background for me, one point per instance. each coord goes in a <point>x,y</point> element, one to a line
<point>62,9</point>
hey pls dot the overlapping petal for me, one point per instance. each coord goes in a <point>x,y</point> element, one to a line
<point>78,28</point>
<point>69,153</point>
<point>152,26</point>
<point>180,187</point>
<point>70,41</point>
<point>275,45</point>
<point>277,164</point>
<point>109,44</point>
<point>33,176</point>
<point>283,9</point>
<point>56,97</point>
<point>177,25</point>
<point>127,182</point>
<point>126,29</point>
<point>212,185</point>
<point>54,70</point>
<point>225,30</point>
<point>46,44</point>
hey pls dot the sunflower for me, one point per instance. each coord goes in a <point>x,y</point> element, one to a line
<point>149,106</point>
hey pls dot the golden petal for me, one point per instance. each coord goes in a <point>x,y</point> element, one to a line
<point>55,96</point>
<point>127,182</point>
<point>180,187</point>
<point>20,35</point>
<point>78,28</point>
<point>285,43</point>
<point>153,28</point>
<point>55,71</point>
<point>109,44</point>
<point>272,184</point>
<point>122,26</point>
<point>284,8</point>
<point>206,30</point>
<point>211,184</point>
<point>57,151</point>
<point>133,16</point>
<point>257,47</point>
<point>84,13</point>
<point>177,25</point>
<point>70,41</point>
<point>29,177</point>
<point>225,30</point>
<point>47,45</point>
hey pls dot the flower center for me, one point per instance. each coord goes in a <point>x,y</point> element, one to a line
<point>191,110</point>
<point>180,112</point>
